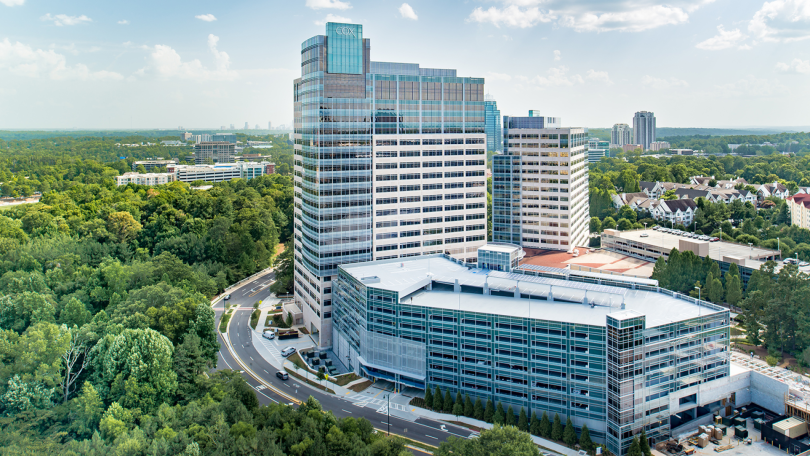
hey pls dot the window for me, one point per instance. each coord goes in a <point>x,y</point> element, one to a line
<point>386,154</point>
<point>432,220</point>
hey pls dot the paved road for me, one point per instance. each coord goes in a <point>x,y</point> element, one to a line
<point>271,388</point>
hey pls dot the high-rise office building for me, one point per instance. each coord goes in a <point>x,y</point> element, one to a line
<point>493,124</point>
<point>247,126</point>
<point>540,184</point>
<point>226,137</point>
<point>269,125</point>
<point>597,150</point>
<point>644,128</point>
<point>390,162</point>
<point>213,152</point>
<point>620,135</point>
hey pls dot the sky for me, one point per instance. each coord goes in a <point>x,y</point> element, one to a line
<point>205,64</point>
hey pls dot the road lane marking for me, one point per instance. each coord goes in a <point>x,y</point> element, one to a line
<point>346,411</point>
<point>428,435</point>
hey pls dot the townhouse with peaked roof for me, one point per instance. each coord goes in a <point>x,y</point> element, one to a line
<point>776,189</point>
<point>677,212</point>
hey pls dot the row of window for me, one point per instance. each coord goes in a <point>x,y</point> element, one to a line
<point>430,243</point>
<point>429,142</point>
<point>427,153</point>
<point>426,210</point>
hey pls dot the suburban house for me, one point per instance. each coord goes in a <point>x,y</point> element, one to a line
<point>731,183</point>
<point>626,199</point>
<point>776,189</point>
<point>652,189</point>
<point>677,212</point>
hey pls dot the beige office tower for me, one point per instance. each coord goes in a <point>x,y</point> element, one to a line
<point>540,185</point>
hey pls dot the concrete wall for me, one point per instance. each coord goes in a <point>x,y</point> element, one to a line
<point>738,382</point>
<point>768,392</point>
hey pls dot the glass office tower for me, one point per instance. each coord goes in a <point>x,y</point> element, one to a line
<point>493,125</point>
<point>364,131</point>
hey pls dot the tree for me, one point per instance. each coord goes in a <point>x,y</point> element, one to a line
<point>523,421</point>
<point>557,428</point>
<point>489,412</point>
<point>500,414</point>
<point>284,272</point>
<point>438,403</point>
<point>447,407</point>
<point>21,396</point>
<point>585,439</point>
<point>22,310</point>
<point>595,225</point>
<point>635,449</point>
<point>510,417</point>
<point>469,408</point>
<point>428,397</point>
<point>498,441</point>
<point>189,364</point>
<point>644,444</point>
<point>608,223</point>
<point>716,291</point>
<point>478,412</point>
<point>545,426</point>
<point>624,224</point>
<point>75,314</point>
<point>569,433</point>
<point>734,292</point>
<point>459,400</point>
<point>73,368</point>
<point>88,407</point>
<point>136,367</point>
<point>458,409</point>
<point>123,226</point>
<point>660,272</point>
<point>534,426</point>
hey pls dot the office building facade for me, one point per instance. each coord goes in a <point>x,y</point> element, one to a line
<point>493,125</point>
<point>221,172</point>
<point>644,128</point>
<point>144,179</point>
<point>390,162</point>
<point>214,152</point>
<point>620,135</point>
<point>224,137</point>
<point>540,185</point>
<point>597,150</point>
<point>617,356</point>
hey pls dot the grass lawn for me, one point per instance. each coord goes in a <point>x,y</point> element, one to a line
<point>223,323</point>
<point>359,387</point>
<point>295,358</point>
<point>342,380</point>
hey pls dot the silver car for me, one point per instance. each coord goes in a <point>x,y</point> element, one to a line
<point>287,351</point>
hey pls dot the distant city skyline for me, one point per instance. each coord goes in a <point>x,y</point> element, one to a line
<point>120,66</point>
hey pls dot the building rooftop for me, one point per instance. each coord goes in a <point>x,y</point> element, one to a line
<point>500,247</point>
<point>410,277</point>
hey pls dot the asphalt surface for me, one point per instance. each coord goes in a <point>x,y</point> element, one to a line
<point>260,374</point>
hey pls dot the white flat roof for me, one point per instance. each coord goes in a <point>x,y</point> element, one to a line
<point>409,276</point>
<point>505,248</point>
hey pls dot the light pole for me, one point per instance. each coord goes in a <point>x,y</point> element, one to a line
<point>698,289</point>
<point>388,409</point>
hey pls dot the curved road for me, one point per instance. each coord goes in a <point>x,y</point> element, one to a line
<point>242,356</point>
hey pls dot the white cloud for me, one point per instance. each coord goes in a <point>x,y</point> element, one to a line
<point>123,22</point>
<point>407,12</point>
<point>751,87</point>
<point>12,2</point>
<point>167,63</point>
<point>70,49</point>
<point>782,20</point>
<point>64,19</point>
<point>599,76</point>
<point>795,66</point>
<point>589,15</point>
<point>662,84</point>
<point>557,77</point>
<point>206,17</point>
<point>723,40</point>
<point>557,55</point>
<point>333,18</point>
<point>328,4</point>
<point>511,16</point>
<point>498,77</point>
<point>23,60</point>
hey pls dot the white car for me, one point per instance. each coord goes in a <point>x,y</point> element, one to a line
<point>644,235</point>
<point>287,351</point>
<point>269,335</point>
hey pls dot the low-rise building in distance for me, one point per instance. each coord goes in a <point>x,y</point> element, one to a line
<point>144,178</point>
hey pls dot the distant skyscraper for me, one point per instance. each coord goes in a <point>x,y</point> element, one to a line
<point>247,126</point>
<point>620,135</point>
<point>493,124</point>
<point>269,125</point>
<point>644,128</point>
<point>232,127</point>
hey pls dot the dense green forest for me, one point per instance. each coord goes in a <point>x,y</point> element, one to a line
<point>105,316</point>
<point>782,142</point>
<point>146,134</point>
<point>674,134</point>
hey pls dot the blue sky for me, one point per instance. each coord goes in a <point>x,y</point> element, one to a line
<point>203,64</point>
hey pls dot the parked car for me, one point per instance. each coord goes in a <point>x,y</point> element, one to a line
<point>287,351</point>
<point>715,239</point>
<point>645,235</point>
<point>270,334</point>
<point>804,263</point>
<point>227,297</point>
<point>282,375</point>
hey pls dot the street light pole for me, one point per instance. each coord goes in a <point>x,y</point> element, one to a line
<point>388,409</point>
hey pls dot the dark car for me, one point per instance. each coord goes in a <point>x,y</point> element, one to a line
<point>282,375</point>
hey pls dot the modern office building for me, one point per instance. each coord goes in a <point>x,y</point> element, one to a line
<point>216,152</point>
<point>493,125</point>
<point>221,172</point>
<point>390,162</point>
<point>598,149</point>
<point>540,185</point>
<point>201,138</point>
<point>617,356</point>
<point>186,136</point>
<point>644,128</point>
<point>247,126</point>
<point>659,145</point>
<point>149,165</point>
<point>620,135</point>
<point>224,137</point>
<point>144,179</point>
